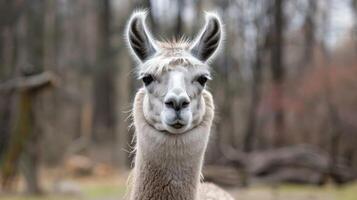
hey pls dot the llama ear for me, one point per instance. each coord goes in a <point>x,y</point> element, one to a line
<point>209,40</point>
<point>139,38</point>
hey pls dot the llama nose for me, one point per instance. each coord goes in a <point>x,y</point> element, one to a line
<point>177,102</point>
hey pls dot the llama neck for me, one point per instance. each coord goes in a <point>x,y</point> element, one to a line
<point>165,178</point>
<point>168,166</point>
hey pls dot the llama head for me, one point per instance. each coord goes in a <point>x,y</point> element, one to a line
<point>174,74</point>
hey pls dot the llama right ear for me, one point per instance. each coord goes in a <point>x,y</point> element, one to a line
<point>207,44</point>
<point>139,38</point>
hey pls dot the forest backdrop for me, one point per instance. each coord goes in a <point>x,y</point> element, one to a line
<point>284,86</point>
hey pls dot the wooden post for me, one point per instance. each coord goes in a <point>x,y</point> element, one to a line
<point>26,88</point>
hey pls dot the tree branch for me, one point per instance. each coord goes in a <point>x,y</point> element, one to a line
<point>45,79</point>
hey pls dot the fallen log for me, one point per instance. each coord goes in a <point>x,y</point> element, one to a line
<point>298,164</point>
<point>260,163</point>
<point>295,175</point>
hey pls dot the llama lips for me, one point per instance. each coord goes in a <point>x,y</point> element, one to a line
<point>177,125</point>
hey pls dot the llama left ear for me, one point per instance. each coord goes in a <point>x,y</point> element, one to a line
<point>206,45</point>
<point>139,38</point>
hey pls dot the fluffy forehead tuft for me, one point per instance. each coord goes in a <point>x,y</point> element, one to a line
<point>180,44</point>
<point>171,55</point>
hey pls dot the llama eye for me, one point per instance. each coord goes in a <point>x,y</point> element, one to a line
<point>202,80</point>
<point>147,79</point>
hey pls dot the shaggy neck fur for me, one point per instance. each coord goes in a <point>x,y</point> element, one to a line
<point>168,166</point>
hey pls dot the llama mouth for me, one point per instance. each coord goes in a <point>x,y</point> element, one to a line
<point>177,125</point>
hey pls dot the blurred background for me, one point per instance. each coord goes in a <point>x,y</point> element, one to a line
<point>284,86</point>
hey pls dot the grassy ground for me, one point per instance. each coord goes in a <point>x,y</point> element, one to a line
<point>88,192</point>
<point>114,187</point>
<point>297,192</point>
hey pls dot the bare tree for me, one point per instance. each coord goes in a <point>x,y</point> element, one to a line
<point>278,71</point>
<point>104,80</point>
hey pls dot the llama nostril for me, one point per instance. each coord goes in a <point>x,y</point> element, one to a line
<point>170,103</point>
<point>185,104</point>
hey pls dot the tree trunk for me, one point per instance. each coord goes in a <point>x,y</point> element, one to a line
<point>104,80</point>
<point>30,159</point>
<point>20,134</point>
<point>248,140</point>
<point>278,72</point>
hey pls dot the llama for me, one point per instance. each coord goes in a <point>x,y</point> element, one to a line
<point>172,112</point>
